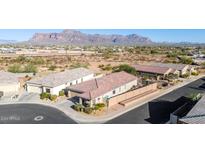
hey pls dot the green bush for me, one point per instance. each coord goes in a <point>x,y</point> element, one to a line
<point>88,110</point>
<point>21,58</point>
<point>30,68</point>
<point>45,95</point>
<point>61,93</point>
<point>194,73</point>
<point>38,61</point>
<point>52,68</point>
<point>78,107</point>
<point>186,60</point>
<point>101,65</point>
<point>185,75</point>
<point>126,68</point>
<point>99,106</point>
<point>53,97</point>
<point>195,96</point>
<point>16,68</point>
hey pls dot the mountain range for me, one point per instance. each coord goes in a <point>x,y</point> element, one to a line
<point>73,37</point>
<point>7,41</point>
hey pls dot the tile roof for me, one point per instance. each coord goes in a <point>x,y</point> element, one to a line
<point>99,86</point>
<point>57,79</point>
<point>170,65</point>
<point>151,69</point>
<point>7,78</point>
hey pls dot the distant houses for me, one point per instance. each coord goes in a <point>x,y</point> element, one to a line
<point>9,83</point>
<point>182,68</point>
<point>99,90</point>
<point>162,70</point>
<point>157,72</point>
<point>56,82</point>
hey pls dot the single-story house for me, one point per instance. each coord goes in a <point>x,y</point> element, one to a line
<point>155,71</point>
<point>196,115</point>
<point>56,82</point>
<point>100,90</point>
<point>182,68</point>
<point>9,83</point>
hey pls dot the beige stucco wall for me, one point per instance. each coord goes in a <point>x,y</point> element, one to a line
<point>118,90</point>
<point>10,88</point>
<point>133,93</point>
<point>34,88</point>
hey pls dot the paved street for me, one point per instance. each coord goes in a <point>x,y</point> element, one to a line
<point>32,114</point>
<point>158,110</point>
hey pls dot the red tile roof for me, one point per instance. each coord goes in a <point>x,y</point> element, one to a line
<point>97,87</point>
<point>151,69</point>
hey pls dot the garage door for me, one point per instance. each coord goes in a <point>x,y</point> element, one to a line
<point>34,89</point>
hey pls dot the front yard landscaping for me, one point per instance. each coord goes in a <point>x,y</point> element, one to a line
<point>87,109</point>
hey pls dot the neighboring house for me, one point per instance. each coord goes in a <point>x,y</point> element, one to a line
<point>155,71</point>
<point>196,115</point>
<point>100,90</point>
<point>182,68</point>
<point>9,83</point>
<point>56,82</point>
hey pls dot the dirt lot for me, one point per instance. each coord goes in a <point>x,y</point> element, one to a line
<point>92,61</point>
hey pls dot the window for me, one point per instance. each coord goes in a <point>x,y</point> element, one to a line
<point>48,90</point>
<point>113,92</point>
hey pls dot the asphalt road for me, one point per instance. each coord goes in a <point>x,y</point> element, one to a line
<point>158,110</point>
<point>32,114</point>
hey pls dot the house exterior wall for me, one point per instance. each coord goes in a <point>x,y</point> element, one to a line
<point>118,90</point>
<point>10,88</point>
<point>184,70</point>
<point>35,88</point>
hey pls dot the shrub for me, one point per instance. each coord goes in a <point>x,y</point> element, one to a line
<point>126,68</point>
<point>61,93</point>
<point>101,66</point>
<point>52,68</point>
<point>38,61</point>
<point>185,75</point>
<point>99,106</point>
<point>164,84</point>
<point>30,68</point>
<point>194,73</point>
<point>53,97</point>
<point>195,96</point>
<point>21,58</point>
<point>186,60</point>
<point>16,68</point>
<point>77,65</point>
<point>78,107</point>
<point>45,95</point>
<point>88,110</point>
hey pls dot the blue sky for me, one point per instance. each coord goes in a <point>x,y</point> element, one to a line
<point>157,35</point>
